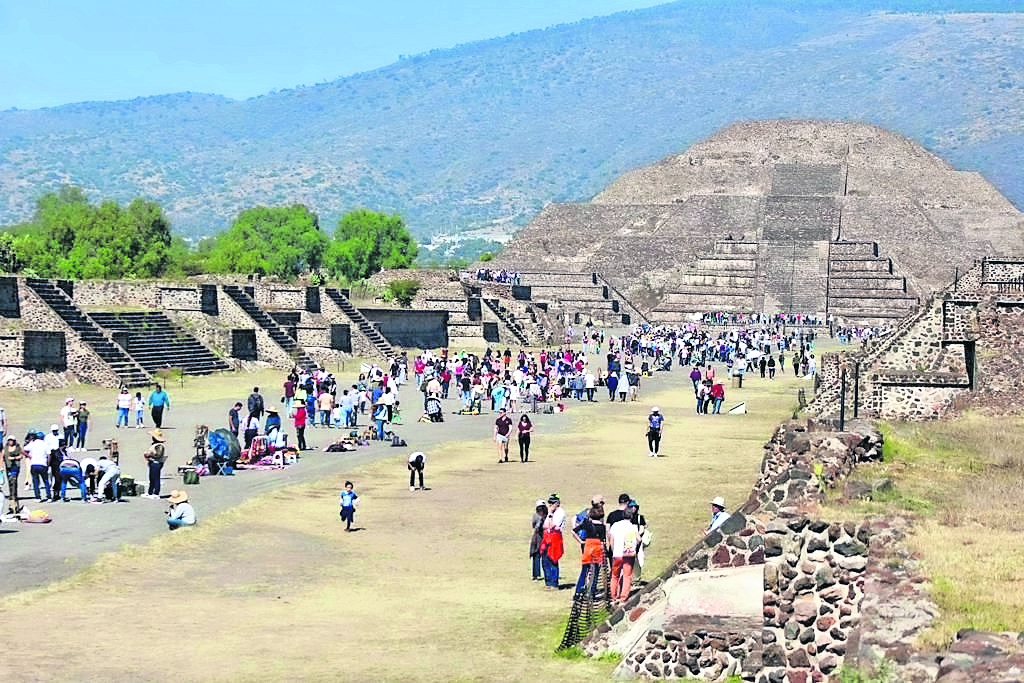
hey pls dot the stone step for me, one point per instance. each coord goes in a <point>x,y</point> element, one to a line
<point>860,265</point>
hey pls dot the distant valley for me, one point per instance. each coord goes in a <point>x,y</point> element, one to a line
<point>484,135</point>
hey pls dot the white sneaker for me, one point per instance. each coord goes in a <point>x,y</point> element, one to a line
<point>412,488</point>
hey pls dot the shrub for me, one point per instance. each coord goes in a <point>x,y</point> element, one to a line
<point>402,291</point>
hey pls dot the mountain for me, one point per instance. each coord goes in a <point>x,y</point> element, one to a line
<point>485,134</point>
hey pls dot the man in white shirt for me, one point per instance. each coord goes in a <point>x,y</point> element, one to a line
<point>67,420</point>
<point>38,457</point>
<point>52,440</point>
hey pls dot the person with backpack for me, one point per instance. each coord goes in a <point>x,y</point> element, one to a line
<point>583,530</point>
<point>655,426</point>
<point>417,463</point>
<point>255,403</point>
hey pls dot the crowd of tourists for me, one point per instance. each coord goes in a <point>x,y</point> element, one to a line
<point>615,542</point>
<point>507,277</point>
<point>771,319</point>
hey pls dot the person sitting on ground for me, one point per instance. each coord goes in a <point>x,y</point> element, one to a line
<point>718,514</point>
<point>181,513</point>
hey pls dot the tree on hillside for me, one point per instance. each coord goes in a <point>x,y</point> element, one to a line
<point>71,238</point>
<point>366,241</point>
<point>281,241</point>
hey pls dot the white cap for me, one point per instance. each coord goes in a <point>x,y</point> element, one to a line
<point>54,428</point>
<point>655,409</point>
<point>719,502</point>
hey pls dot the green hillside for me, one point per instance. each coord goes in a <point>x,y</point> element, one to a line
<point>485,134</point>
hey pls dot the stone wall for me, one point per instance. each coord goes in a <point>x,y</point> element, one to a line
<point>83,362</point>
<point>233,317</point>
<point>179,298</point>
<point>12,350</point>
<point>116,294</point>
<point>811,575</point>
<point>962,349</point>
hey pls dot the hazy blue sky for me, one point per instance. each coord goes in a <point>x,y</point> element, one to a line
<point>59,51</point>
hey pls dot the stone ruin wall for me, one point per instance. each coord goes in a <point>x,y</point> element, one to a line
<point>920,371</point>
<point>82,361</point>
<point>813,576</point>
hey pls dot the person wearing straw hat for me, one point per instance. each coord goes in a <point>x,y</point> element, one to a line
<point>718,514</point>
<point>155,458</point>
<point>181,513</point>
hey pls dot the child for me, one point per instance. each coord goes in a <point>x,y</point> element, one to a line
<point>348,500</point>
<point>139,404</point>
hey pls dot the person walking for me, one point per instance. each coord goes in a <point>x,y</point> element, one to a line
<point>255,403</point>
<point>417,463</point>
<point>159,403</point>
<point>525,429</point>
<point>348,500</point>
<point>623,538</point>
<point>717,397</point>
<point>502,432</point>
<point>155,458</point>
<point>123,403</point>
<point>299,420</point>
<point>540,513</point>
<point>655,426</point>
<point>139,406</point>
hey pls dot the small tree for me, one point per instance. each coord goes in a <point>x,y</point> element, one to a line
<point>402,291</point>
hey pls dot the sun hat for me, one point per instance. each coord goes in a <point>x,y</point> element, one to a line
<point>69,400</point>
<point>158,434</point>
<point>597,499</point>
<point>178,496</point>
<point>718,502</point>
<point>655,409</point>
<point>272,410</point>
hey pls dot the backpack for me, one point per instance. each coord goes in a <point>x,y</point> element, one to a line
<point>577,524</point>
<point>397,441</point>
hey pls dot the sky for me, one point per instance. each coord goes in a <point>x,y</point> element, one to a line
<point>55,52</point>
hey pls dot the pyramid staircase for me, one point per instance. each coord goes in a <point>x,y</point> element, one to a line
<point>280,337</point>
<point>510,322</point>
<point>725,280</point>
<point>128,370</point>
<point>382,345</point>
<point>156,343</point>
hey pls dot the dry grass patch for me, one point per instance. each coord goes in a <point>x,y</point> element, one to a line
<point>437,587</point>
<point>964,481</point>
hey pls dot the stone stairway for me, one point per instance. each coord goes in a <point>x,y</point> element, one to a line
<point>725,280</point>
<point>862,286</point>
<point>382,345</point>
<point>511,324</point>
<point>156,343</point>
<point>280,337</point>
<point>129,371</point>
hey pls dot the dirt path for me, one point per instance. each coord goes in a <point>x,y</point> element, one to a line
<point>437,585</point>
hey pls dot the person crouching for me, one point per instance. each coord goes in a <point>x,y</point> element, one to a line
<point>181,513</point>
